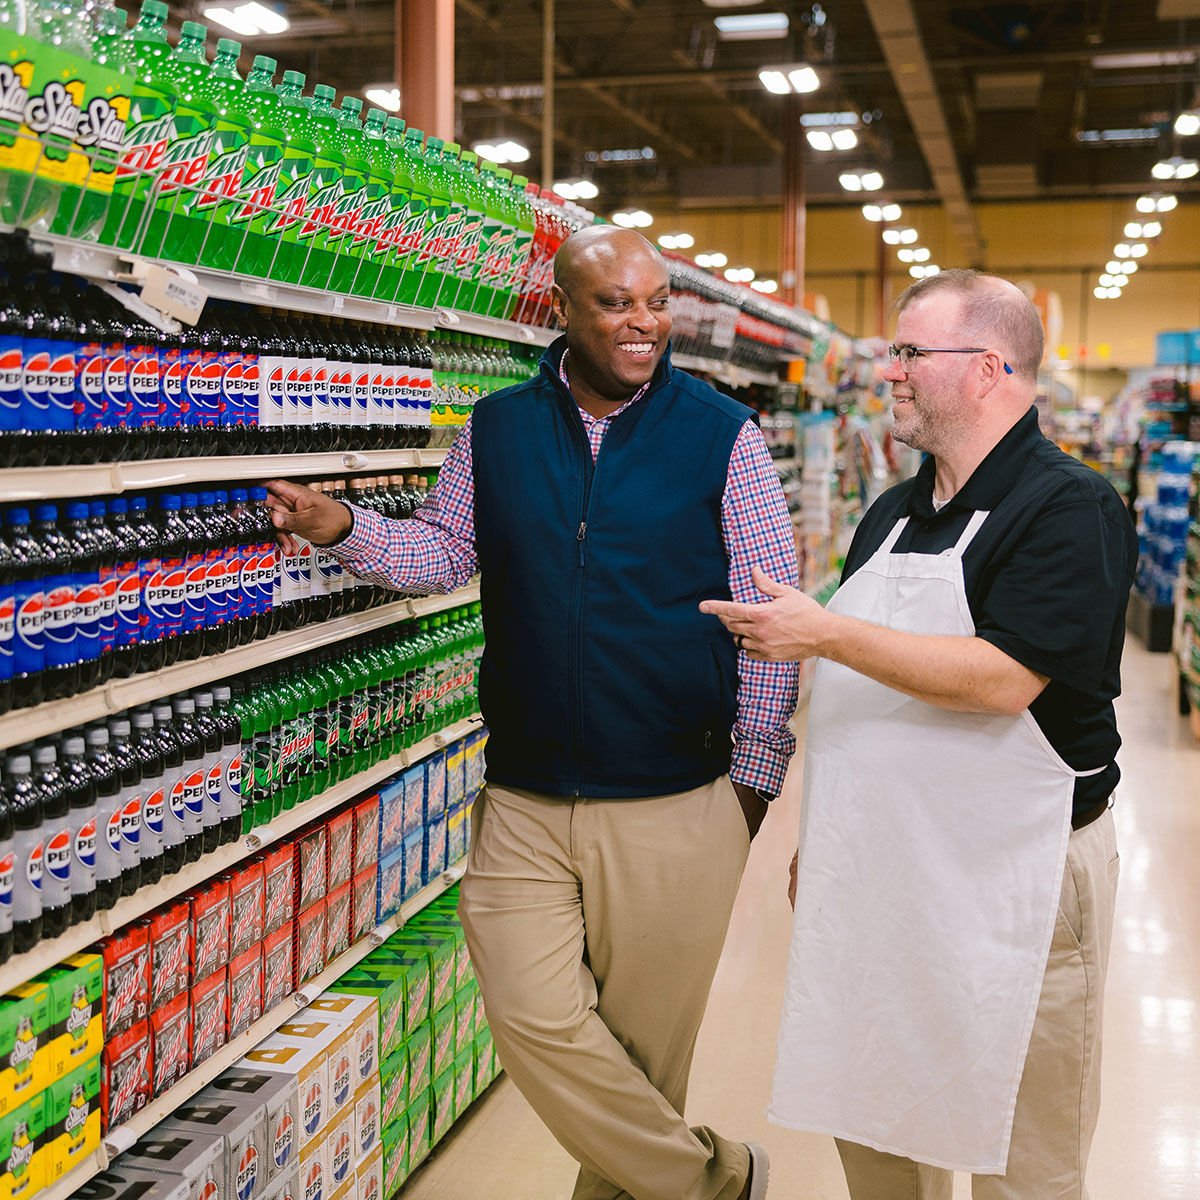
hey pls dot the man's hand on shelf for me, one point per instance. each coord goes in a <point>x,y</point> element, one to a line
<point>312,515</point>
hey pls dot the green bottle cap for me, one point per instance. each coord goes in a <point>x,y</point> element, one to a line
<point>229,46</point>
<point>487,166</point>
<point>193,29</point>
<point>505,172</point>
<point>469,156</point>
<point>453,149</point>
<point>396,125</point>
<point>154,8</point>
<point>324,92</point>
<point>434,143</point>
<point>520,181</point>
<point>375,116</point>
<point>293,78</point>
<point>418,135</point>
<point>263,63</point>
<point>351,104</point>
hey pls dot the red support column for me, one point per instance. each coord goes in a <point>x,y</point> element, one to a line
<point>425,64</point>
<point>792,233</point>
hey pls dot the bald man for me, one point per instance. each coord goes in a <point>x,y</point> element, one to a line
<point>632,749</point>
<point>957,870</point>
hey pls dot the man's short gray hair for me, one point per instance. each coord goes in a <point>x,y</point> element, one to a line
<point>995,314</point>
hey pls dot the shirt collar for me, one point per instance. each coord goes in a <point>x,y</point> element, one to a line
<point>587,417</point>
<point>990,481</point>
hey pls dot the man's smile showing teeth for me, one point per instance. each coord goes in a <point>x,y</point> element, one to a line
<point>637,347</point>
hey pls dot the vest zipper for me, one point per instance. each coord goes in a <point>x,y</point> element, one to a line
<point>580,537</point>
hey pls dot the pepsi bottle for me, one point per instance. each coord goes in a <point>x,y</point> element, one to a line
<point>230,728</point>
<point>144,392</point>
<point>62,329</point>
<point>210,742</point>
<point>188,789</point>
<point>86,827</point>
<point>166,594</point>
<point>23,799</point>
<point>269,564</point>
<point>129,804</point>
<point>170,396</point>
<point>150,756</point>
<point>61,674</point>
<point>58,844</point>
<point>216,574</point>
<point>117,443</point>
<point>7,868</point>
<point>107,781</point>
<point>29,616</point>
<point>7,625</point>
<point>89,595</point>
<point>127,589</point>
<point>13,436</point>
<point>243,563</point>
<point>91,369</point>
<point>174,818</point>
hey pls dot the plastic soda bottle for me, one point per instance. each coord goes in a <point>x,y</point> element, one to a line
<point>325,191</point>
<point>345,236</point>
<point>280,226</point>
<point>446,222</point>
<point>525,231</point>
<point>461,282</point>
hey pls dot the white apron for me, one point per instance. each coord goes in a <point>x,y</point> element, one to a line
<point>932,846</point>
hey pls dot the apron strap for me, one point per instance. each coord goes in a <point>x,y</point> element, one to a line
<point>973,527</point>
<point>889,543</point>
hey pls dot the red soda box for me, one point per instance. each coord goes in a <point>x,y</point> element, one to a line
<point>278,951</point>
<point>279,889</point>
<point>366,834</point>
<point>311,862</point>
<point>126,979</point>
<point>337,922</point>
<point>309,954</point>
<point>246,886</point>
<point>362,905</point>
<point>245,990</point>
<point>340,852</point>
<point>210,928</point>
<point>126,1076</point>
<point>170,1042</point>
<point>210,1016</point>
<point>169,932</point>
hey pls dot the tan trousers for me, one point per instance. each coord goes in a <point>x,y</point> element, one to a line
<point>595,927</point>
<point>1058,1100</point>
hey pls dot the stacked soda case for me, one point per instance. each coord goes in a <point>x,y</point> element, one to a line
<point>51,1037</point>
<point>94,814</point>
<point>82,380</point>
<point>183,159</point>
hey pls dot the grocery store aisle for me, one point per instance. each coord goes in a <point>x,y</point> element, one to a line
<point>1148,1143</point>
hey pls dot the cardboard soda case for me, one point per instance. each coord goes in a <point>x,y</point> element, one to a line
<point>456,758</point>
<point>393,1086</point>
<point>239,1122</point>
<point>390,894</point>
<point>368,1119</point>
<point>24,1044</point>
<point>72,1120</point>
<point>456,833</point>
<point>413,863</point>
<point>360,1016</point>
<point>279,887</point>
<point>286,1187</point>
<point>420,1108</point>
<point>435,785</point>
<point>209,1016</point>
<point>314,1169</point>
<point>196,1158</point>
<point>339,850</point>
<point>245,990</point>
<point>414,799</point>
<point>312,860</point>
<point>464,1081</point>
<point>366,835</point>
<point>333,1040</point>
<point>391,816</point>
<point>441,1039</point>
<point>337,922</point>
<point>76,1033</point>
<point>339,1148</point>
<point>275,1097</point>
<point>209,913</point>
<point>126,1076</point>
<point>126,958</point>
<point>278,951</point>
<point>122,1182</point>
<point>368,1176</point>
<point>434,861</point>
<point>309,954</point>
<point>170,1043</point>
<point>246,900</point>
<point>464,1017</point>
<point>362,905</point>
<point>22,1164</point>
<point>439,948</point>
<point>412,965</point>
<point>443,1105</point>
<point>487,1062</point>
<point>444,920</point>
<point>169,934</point>
<point>387,986</point>
<point>394,1151</point>
<point>420,1060</point>
<point>306,1064</point>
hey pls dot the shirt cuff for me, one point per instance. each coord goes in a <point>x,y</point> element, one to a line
<point>759,765</point>
<point>359,540</point>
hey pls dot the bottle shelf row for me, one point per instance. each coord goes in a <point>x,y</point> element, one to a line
<point>127,1135</point>
<point>49,952</point>
<point>112,479</point>
<point>28,724</point>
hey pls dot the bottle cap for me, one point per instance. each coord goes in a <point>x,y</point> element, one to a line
<point>18,764</point>
<point>452,148</point>
<point>119,504</point>
<point>45,754</point>
<point>469,156</point>
<point>434,143</point>
<point>263,63</point>
<point>184,705</point>
<point>188,499</point>
<point>221,692</point>
<point>520,181</point>
<point>351,104</point>
<point>17,516</point>
<point>169,502</point>
<point>193,29</point>
<point>142,718</point>
<point>293,78</point>
<point>487,166</point>
<point>375,116</point>
<point>395,124</point>
<point>97,735</point>
<point>221,497</point>
<point>208,499</point>
<point>415,135</point>
<point>324,92</point>
<point>504,173</point>
<point>155,9</point>
<point>258,493</point>
<point>229,46</point>
<point>239,495</point>
<point>203,699</point>
<point>119,726</point>
<point>95,508</point>
<point>75,511</point>
<point>45,512</point>
<point>138,504</point>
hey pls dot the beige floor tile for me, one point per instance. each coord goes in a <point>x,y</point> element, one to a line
<point>1148,1143</point>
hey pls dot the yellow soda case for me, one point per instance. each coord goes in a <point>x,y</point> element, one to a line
<point>72,1120</point>
<point>24,1044</point>
<point>361,1015</point>
<point>76,1004</point>
<point>22,1162</point>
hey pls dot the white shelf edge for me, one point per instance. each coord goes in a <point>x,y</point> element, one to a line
<point>127,1135</point>
<point>23,967</point>
<point>728,372</point>
<point>26,724</point>
<point>113,479</point>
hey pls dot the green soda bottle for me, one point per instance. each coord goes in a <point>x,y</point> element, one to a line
<point>442,246</point>
<point>422,214</point>
<point>410,203</point>
<point>265,721</point>
<point>303,685</point>
<point>430,255</point>
<point>526,231</point>
<point>291,734</point>
<point>360,724</point>
<point>279,228</point>
<point>243,709</point>
<point>460,287</point>
<point>367,249</point>
<point>18,154</point>
<point>318,257</point>
<point>346,237</point>
<point>500,269</point>
<point>324,729</point>
<point>493,239</point>
<point>149,129</point>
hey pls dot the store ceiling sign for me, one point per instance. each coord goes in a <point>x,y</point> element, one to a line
<point>1171,347</point>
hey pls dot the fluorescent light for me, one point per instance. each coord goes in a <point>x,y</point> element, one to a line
<point>1101,292</point>
<point>1106,280</point>
<point>585,189</point>
<point>635,218</point>
<point>385,96</point>
<point>861,181</point>
<point>872,181</point>
<point>623,219</point>
<point>775,81</point>
<point>1127,268</point>
<point>739,274</point>
<point>1151,229</point>
<point>872,212</point>
<point>565,189</point>
<point>892,237</point>
<point>851,181</point>
<point>250,20</point>
<point>1112,265</point>
<point>502,152</point>
<point>917,272</point>
<point>1175,167</point>
<point>932,269</point>
<point>1165,204</point>
<point>1187,168</point>
<point>1161,58</point>
<point>804,80</point>
<point>684,241</point>
<point>1187,124</point>
<point>906,256</point>
<point>1110,136</point>
<point>1138,250</point>
<point>1145,204</point>
<point>1133,229</point>
<point>908,236</point>
<point>1121,250</point>
<point>752,26</point>
<point>766,286</point>
<point>716,259</point>
<point>844,139</point>
<point>1163,170</point>
<point>891,212</point>
<point>1114,293</point>
<point>823,119</point>
<point>920,254</point>
<point>818,139</point>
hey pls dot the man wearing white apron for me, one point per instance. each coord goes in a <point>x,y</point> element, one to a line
<point>957,868</point>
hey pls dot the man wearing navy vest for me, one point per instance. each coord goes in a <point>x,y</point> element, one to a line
<point>632,748</point>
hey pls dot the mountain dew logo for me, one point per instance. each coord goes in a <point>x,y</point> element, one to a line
<point>497,262</point>
<point>293,201</point>
<point>145,144</point>
<point>468,247</point>
<point>347,212</point>
<point>411,229</point>
<point>445,236</point>
<point>321,209</point>
<point>223,179</point>
<point>185,162</point>
<point>372,219</point>
<point>258,192</point>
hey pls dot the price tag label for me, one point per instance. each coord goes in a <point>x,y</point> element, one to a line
<point>172,294</point>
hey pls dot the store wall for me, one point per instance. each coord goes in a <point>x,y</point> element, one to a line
<point>1058,246</point>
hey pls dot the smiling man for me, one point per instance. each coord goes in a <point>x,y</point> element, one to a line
<point>632,749</point>
<point>957,870</point>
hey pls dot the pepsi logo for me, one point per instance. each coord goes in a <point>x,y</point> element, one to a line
<point>247,1174</point>
<point>193,793</point>
<point>368,1127</point>
<point>7,863</point>
<point>366,1054</point>
<point>176,803</point>
<point>115,378</point>
<point>212,784</point>
<point>340,1160</point>
<point>312,1109</point>
<point>341,1080</point>
<point>284,1137</point>
<point>129,593</point>
<point>172,382</point>
<point>152,812</point>
<point>7,623</point>
<point>144,382</point>
<point>233,775</point>
<point>33,867</point>
<point>58,856</point>
<point>370,1188</point>
<point>209,1191</point>
<point>112,831</point>
<point>314,1182</point>
<point>131,822</point>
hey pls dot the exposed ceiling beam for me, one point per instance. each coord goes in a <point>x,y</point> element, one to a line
<point>653,128</point>
<point>743,114</point>
<point>896,27</point>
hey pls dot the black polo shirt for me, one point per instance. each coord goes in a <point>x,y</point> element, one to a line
<point>1047,580</point>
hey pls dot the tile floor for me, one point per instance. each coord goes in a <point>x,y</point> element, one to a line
<point>1148,1143</point>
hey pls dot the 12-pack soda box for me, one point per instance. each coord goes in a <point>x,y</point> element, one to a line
<point>72,1119</point>
<point>391,816</point>
<point>169,934</point>
<point>279,887</point>
<point>339,850</point>
<point>209,1016</point>
<point>311,854</point>
<point>306,1064</point>
<point>245,990</point>
<point>360,1016</point>
<point>275,1098</point>
<point>337,921</point>
<point>170,1042</point>
<point>414,783</point>
<point>126,958</point>
<point>363,912</point>
<point>309,954</point>
<point>246,906</point>
<point>196,1158</point>
<point>123,1182</point>
<point>76,1033</point>
<point>368,1176</point>
<point>279,955</point>
<point>24,1044</point>
<point>366,834</point>
<point>126,1076</point>
<point>22,1160</point>
<point>435,785</point>
<point>239,1122</point>
<point>209,912</point>
<point>393,1085</point>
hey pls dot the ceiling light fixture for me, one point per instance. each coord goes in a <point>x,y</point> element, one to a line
<point>715,260</point>
<point>502,152</point>
<point>824,119</point>
<point>767,286</point>
<point>861,181</point>
<point>1175,167</point>
<point>796,77</point>
<point>739,274</point>
<point>386,95</point>
<point>1112,265</point>
<point>892,237</point>
<point>818,139</point>
<point>1127,268</point>
<point>920,254</point>
<point>1138,250</point>
<point>844,139</point>
<point>250,20</point>
<point>1187,124</point>
<point>906,256</point>
<point>636,218</point>
<point>1136,59</point>
<point>752,26</point>
<point>1121,250</point>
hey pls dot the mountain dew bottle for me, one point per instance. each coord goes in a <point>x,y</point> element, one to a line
<point>391,164</point>
<point>367,245</point>
<point>514,285</point>
<point>460,276</point>
<point>318,257</point>
<point>445,245</point>
<point>494,239</point>
<point>399,278</point>
<point>148,131</point>
<point>346,235</point>
<point>281,225</point>
<point>429,256</point>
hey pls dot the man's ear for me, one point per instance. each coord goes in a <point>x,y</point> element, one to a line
<point>559,303</point>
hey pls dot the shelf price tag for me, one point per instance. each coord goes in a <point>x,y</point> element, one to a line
<point>172,294</point>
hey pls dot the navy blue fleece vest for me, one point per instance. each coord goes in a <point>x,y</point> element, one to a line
<point>600,675</point>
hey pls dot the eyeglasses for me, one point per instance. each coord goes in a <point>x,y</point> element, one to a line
<point>907,355</point>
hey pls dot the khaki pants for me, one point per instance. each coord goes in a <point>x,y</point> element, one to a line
<point>1058,1100</point>
<point>595,927</point>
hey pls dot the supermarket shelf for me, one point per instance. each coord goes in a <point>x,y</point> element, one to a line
<point>110,479</point>
<point>48,953</point>
<point>112,266</point>
<point>122,1138</point>
<point>727,372</point>
<point>786,464</point>
<point>26,724</point>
